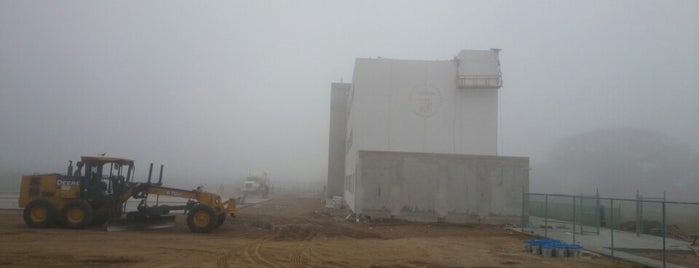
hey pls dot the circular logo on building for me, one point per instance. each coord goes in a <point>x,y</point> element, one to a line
<point>425,100</point>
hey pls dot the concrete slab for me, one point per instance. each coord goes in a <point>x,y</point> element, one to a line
<point>602,243</point>
<point>251,201</point>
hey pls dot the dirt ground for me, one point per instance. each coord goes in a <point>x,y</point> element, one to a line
<point>287,231</point>
<point>683,258</point>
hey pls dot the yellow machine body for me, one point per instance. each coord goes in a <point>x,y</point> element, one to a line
<point>98,196</point>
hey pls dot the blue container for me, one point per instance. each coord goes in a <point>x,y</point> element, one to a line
<point>547,250</point>
<point>535,246</point>
<point>559,249</point>
<point>573,250</point>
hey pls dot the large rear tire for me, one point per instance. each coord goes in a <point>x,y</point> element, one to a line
<point>77,214</point>
<point>202,218</point>
<point>39,214</point>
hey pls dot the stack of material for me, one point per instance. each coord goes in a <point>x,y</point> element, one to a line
<point>552,248</point>
<point>337,202</point>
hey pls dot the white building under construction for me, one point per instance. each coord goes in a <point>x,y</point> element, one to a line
<point>417,140</point>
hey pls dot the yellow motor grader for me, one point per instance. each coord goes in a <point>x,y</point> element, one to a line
<point>97,191</point>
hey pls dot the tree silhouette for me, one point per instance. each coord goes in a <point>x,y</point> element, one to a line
<point>621,161</point>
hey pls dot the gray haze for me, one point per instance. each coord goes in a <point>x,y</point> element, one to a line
<point>216,90</point>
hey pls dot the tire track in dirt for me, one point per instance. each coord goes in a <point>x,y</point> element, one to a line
<point>252,252</point>
<point>303,255</point>
<point>223,261</point>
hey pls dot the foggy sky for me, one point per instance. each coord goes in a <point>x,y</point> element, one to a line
<point>216,90</point>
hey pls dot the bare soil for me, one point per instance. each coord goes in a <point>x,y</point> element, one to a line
<point>287,231</point>
<point>683,258</point>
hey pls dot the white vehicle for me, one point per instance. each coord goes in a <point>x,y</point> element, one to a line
<point>256,184</point>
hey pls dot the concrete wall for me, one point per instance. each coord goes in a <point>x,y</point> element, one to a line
<point>338,128</point>
<point>417,106</point>
<point>439,187</point>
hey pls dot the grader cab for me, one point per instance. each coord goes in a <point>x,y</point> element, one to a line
<point>98,190</point>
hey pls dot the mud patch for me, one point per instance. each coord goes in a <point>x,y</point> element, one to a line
<point>260,224</point>
<point>309,230</point>
<point>106,260</point>
<point>294,231</point>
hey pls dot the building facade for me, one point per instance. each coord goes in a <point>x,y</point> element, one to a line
<point>442,108</point>
<point>336,147</point>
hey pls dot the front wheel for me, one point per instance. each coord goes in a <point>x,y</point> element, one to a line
<point>77,214</point>
<point>39,214</point>
<point>202,218</point>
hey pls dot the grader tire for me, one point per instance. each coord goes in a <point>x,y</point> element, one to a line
<point>202,219</point>
<point>39,214</point>
<point>77,214</point>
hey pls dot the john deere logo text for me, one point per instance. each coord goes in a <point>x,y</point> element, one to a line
<point>67,183</point>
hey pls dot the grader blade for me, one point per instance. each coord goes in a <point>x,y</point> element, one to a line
<point>141,224</point>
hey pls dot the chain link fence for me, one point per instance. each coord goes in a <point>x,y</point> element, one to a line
<point>650,230</point>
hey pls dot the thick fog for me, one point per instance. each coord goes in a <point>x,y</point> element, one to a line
<point>215,90</point>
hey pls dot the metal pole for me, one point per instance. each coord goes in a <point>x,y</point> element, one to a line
<point>573,219</point>
<point>638,215</point>
<point>160,178</point>
<point>150,172</point>
<point>664,233</point>
<point>581,213</point>
<point>546,216</point>
<point>611,228</point>
<point>597,209</point>
<point>524,203</point>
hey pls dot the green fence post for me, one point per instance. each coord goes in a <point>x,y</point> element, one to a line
<point>664,233</point>
<point>546,216</point>
<point>638,214</point>
<point>597,210</point>
<point>574,219</point>
<point>524,204</point>
<point>582,200</point>
<point>611,229</point>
